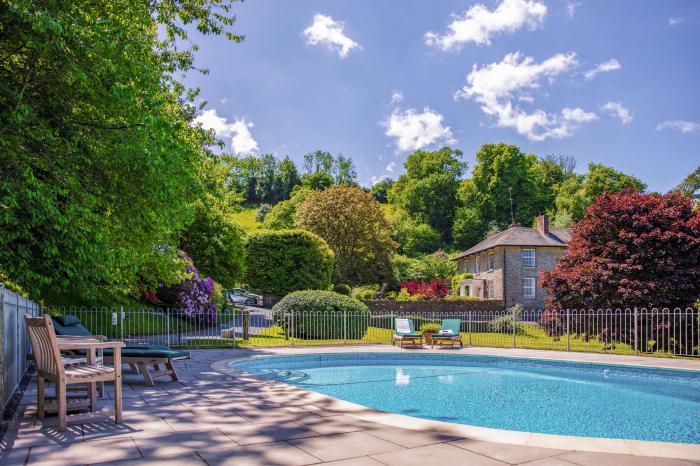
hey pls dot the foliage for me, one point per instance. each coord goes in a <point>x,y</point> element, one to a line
<point>691,185</point>
<point>430,327</point>
<point>195,297</point>
<point>310,307</point>
<point>412,237</point>
<point>427,267</point>
<point>245,217</point>
<point>428,189</point>
<point>469,227</point>
<point>340,169</point>
<point>404,295</point>
<point>456,279</point>
<point>432,289</point>
<point>283,261</point>
<point>365,292</point>
<point>380,190</point>
<point>505,323</point>
<point>342,288</point>
<point>99,160</point>
<point>214,241</point>
<point>262,212</point>
<point>630,249</point>
<point>264,178</point>
<point>316,181</point>
<point>353,224</point>
<point>281,216</point>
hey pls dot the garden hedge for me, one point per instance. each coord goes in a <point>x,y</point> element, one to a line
<point>282,261</point>
<point>322,315</point>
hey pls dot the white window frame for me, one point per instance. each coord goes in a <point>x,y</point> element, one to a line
<point>534,288</point>
<point>534,259</point>
<point>489,261</point>
<point>489,289</point>
<point>477,264</point>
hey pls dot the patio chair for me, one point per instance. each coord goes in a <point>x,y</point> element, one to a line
<point>139,357</point>
<point>405,331</point>
<point>450,333</point>
<point>46,348</point>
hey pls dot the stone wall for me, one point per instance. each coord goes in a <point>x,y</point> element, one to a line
<point>545,259</point>
<point>428,307</point>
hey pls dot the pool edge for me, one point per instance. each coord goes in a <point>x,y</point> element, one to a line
<point>684,451</point>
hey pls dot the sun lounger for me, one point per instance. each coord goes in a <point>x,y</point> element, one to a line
<point>405,331</point>
<point>140,357</point>
<point>449,332</point>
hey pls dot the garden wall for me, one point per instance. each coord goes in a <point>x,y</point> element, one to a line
<point>428,307</point>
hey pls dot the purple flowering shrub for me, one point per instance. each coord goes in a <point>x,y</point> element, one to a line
<point>195,297</point>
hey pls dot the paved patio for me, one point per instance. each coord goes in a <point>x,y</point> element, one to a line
<point>217,419</point>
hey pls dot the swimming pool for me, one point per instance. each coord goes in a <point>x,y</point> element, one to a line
<point>532,395</point>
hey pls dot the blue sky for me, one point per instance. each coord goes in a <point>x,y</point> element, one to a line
<point>608,82</point>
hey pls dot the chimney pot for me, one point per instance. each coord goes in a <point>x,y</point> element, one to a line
<point>543,223</point>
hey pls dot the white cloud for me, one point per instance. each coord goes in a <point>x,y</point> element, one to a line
<point>224,100</point>
<point>676,20</point>
<point>571,8</point>
<point>681,125</point>
<point>242,141</point>
<point>391,166</point>
<point>414,130</point>
<point>396,97</point>
<point>478,24</point>
<point>618,110</point>
<point>610,65</point>
<point>376,179</point>
<point>329,33</point>
<point>496,86</point>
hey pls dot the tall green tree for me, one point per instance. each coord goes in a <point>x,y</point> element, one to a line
<point>428,189</point>
<point>691,185</point>
<point>321,166</point>
<point>100,162</point>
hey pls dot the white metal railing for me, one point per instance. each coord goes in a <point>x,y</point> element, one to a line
<point>673,332</point>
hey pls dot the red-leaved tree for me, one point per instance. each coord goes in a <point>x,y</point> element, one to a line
<point>630,249</point>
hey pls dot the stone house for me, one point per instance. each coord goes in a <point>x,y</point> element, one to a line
<point>506,266</point>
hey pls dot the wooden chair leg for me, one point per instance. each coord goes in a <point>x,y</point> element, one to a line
<point>40,396</point>
<point>171,367</point>
<point>62,400</point>
<point>92,389</point>
<point>143,369</point>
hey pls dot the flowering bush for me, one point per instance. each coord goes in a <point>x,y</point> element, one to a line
<point>432,289</point>
<point>195,297</point>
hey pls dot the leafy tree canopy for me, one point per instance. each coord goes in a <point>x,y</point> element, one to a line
<point>100,163</point>
<point>352,222</point>
<point>691,185</point>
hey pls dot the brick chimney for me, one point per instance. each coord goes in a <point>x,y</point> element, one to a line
<point>543,223</point>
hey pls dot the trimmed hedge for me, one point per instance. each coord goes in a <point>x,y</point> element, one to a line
<point>320,315</point>
<point>342,288</point>
<point>282,261</point>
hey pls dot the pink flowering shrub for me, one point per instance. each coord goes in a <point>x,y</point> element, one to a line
<point>432,289</point>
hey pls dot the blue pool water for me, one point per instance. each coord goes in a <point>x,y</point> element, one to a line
<point>553,397</point>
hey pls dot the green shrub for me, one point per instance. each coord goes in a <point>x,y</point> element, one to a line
<point>321,315</point>
<point>365,292</point>
<point>342,288</point>
<point>282,261</point>
<point>457,298</point>
<point>432,327</point>
<point>424,268</point>
<point>504,324</point>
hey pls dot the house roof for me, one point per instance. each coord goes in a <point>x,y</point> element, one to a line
<point>517,235</point>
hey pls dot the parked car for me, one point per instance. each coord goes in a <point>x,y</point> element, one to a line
<point>241,296</point>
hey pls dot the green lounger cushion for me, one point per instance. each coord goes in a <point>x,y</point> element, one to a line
<point>449,324</point>
<point>147,351</point>
<point>410,334</point>
<point>69,326</point>
<point>67,320</point>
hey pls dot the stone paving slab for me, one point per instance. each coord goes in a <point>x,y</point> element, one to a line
<point>212,418</point>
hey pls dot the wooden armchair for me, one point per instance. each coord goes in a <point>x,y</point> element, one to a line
<point>50,366</point>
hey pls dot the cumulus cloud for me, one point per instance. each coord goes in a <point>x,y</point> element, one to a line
<point>390,167</point>
<point>571,8</point>
<point>329,33</point>
<point>496,87</point>
<point>618,110</point>
<point>478,24</point>
<point>675,21</point>
<point>610,65</point>
<point>683,126</point>
<point>242,141</point>
<point>396,97</point>
<point>414,130</point>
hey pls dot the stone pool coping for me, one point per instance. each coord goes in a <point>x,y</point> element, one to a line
<point>684,451</point>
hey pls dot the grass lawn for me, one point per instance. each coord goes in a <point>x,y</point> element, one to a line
<point>246,218</point>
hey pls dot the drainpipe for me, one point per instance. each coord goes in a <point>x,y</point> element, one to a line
<point>503,278</point>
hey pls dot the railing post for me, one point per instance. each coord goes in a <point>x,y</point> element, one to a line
<point>636,330</point>
<point>513,312</point>
<point>345,327</point>
<point>568,330</point>
<point>246,323</point>
<point>121,323</point>
<point>167,328</point>
<point>469,327</point>
<point>291,326</point>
